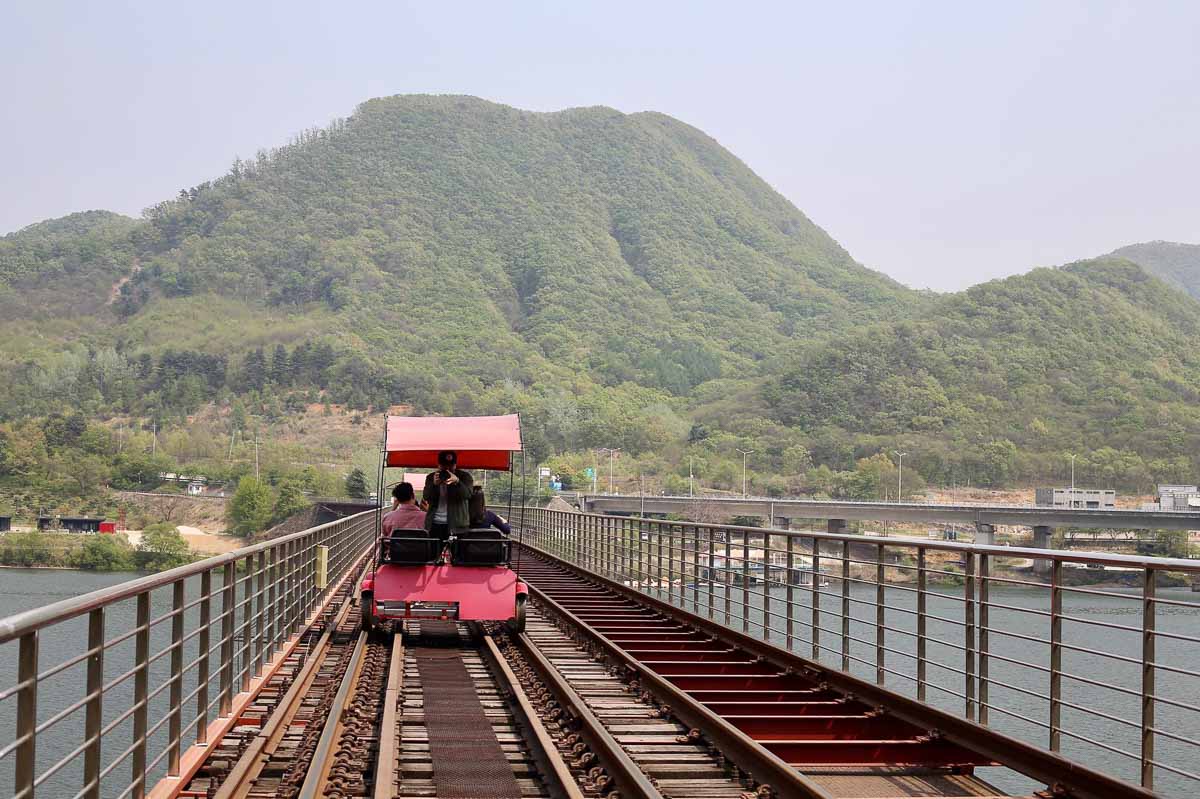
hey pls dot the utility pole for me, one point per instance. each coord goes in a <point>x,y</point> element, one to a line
<point>153,439</point>
<point>691,478</point>
<point>256,443</point>
<point>746,453</point>
<point>595,469</point>
<point>900,478</point>
<point>642,482</point>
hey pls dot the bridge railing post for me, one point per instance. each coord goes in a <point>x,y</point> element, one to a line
<point>1056,656</point>
<point>94,712</point>
<point>141,687</point>
<point>984,629</point>
<point>880,617</point>
<point>175,730</point>
<point>26,732</point>
<point>745,582</point>
<point>1149,580</point>
<point>228,588</point>
<point>969,637</point>
<point>845,605</point>
<point>712,571</point>
<point>815,600</point>
<point>922,624</point>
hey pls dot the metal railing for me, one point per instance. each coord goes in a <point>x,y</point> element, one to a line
<point>1088,654</point>
<point>102,680</point>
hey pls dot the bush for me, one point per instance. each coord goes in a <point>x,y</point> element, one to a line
<point>162,548</point>
<point>105,553</point>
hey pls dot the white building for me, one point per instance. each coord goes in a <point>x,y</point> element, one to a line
<point>1178,497</point>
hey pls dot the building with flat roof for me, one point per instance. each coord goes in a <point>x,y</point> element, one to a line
<point>1094,498</point>
<point>1178,497</point>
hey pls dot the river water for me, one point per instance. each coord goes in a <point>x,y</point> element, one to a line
<point>1013,669</point>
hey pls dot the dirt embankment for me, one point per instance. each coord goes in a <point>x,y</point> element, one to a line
<point>205,514</point>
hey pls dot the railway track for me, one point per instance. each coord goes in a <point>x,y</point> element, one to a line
<point>750,716</point>
<point>352,722</point>
<point>267,730</point>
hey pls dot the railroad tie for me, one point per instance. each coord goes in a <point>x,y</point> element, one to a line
<point>468,762</point>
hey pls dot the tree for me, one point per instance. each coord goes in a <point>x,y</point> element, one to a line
<point>250,508</point>
<point>356,485</point>
<point>105,553</point>
<point>162,547</point>
<point>288,502</point>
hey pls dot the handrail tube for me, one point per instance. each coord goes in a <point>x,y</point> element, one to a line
<point>13,627</point>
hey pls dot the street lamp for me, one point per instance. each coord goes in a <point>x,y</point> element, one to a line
<point>745,454</point>
<point>900,477</point>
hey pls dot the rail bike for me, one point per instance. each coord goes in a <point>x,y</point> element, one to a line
<point>467,577</point>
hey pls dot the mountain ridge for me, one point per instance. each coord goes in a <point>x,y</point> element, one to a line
<point>1174,262</point>
<point>621,279</point>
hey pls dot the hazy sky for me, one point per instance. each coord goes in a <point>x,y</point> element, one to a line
<point>942,143</point>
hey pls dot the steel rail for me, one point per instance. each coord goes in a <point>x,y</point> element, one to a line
<point>1049,768</point>
<point>544,749</point>
<point>264,745</point>
<point>323,758</point>
<point>385,764</point>
<point>630,779</point>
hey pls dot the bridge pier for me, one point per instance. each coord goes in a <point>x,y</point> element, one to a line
<point>782,523</point>
<point>1041,540</point>
<point>837,526</point>
<point>985,534</point>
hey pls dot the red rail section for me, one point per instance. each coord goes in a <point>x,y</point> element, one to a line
<point>846,737</point>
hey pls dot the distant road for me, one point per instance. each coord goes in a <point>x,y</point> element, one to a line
<point>960,513</point>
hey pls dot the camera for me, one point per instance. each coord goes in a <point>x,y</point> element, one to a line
<point>444,474</point>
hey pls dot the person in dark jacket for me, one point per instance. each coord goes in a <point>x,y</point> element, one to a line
<point>447,491</point>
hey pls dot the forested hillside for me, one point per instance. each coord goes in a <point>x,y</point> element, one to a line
<point>1177,264</point>
<point>999,382</point>
<point>444,252</point>
<point>620,279</point>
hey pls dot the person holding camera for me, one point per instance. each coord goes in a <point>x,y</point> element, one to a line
<point>448,492</point>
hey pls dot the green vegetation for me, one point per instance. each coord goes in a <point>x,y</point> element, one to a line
<point>1176,264</point>
<point>250,509</point>
<point>356,484</point>
<point>1000,381</point>
<point>620,280</point>
<point>162,547</point>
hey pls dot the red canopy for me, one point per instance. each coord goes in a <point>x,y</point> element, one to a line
<point>482,442</point>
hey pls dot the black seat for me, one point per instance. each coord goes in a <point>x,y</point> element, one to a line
<point>410,547</point>
<point>480,546</point>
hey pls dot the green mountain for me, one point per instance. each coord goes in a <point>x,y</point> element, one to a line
<point>444,252</point>
<point>1177,264</point>
<point>999,382</point>
<point>620,279</point>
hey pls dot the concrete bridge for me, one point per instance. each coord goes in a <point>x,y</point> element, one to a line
<point>781,512</point>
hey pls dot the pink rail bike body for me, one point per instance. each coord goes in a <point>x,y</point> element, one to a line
<point>465,593</point>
